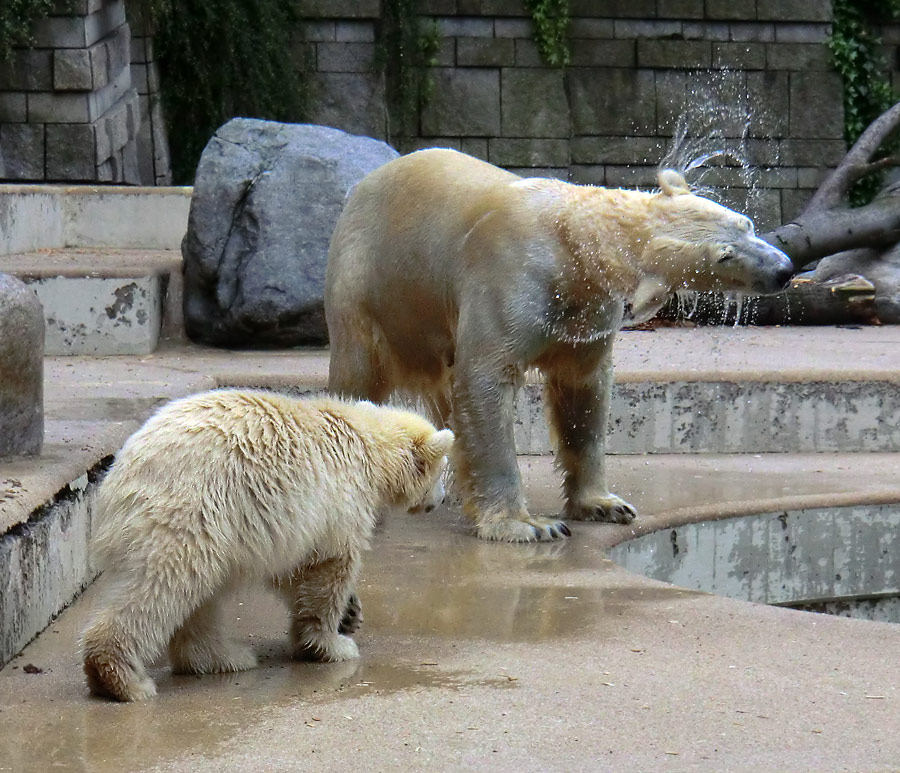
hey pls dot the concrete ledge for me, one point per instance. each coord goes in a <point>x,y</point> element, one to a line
<point>102,302</point>
<point>795,556</point>
<point>34,217</point>
<point>726,417</point>
<point>130,218</point>
<point>90,411</point>
<point>44,564</point>
<point>708,417</point>
<point>45,502</point>
<point>101,316</point>
<point>29,485</point>
<point>30,218</point>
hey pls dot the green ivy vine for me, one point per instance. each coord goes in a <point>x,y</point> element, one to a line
<point>17,20</point>
<point>219,59</point>
<point>856,51</point>
<point>404,51</point>
<point>551,30</point>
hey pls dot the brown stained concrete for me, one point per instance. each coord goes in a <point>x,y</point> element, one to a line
<point>488,656</point>
<point>508,657</point>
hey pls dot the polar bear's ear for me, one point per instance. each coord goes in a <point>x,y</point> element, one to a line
<point>440,442</point>
<point>672,182</point>
<point>433,446</point>
<point>429,450</point>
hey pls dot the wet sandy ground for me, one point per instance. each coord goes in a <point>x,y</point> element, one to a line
<point>482,656</point>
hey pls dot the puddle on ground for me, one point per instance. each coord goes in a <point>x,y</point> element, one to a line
<point>466,589</point>
<point>191,715</point>
<point>430,591</point>
<point>48,721</point>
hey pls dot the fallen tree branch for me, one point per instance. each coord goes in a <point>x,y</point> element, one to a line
<point>818,232</point>
<point>834,190</point>
<point>828,224</point>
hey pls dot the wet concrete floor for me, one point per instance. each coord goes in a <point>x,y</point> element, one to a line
<point>508,657</point>
<point>484,656</point>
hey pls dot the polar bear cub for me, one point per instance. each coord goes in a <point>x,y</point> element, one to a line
<point>231,485</point>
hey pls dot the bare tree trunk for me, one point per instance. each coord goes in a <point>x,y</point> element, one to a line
<point>828,224</point>
<point>819,232</point>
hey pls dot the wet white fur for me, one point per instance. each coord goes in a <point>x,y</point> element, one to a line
<point>233,485</point>
<point>448,277</point>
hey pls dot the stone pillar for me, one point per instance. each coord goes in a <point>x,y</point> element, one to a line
<point>154,162</point>
<point>68,109</point>
<point>21,369</point>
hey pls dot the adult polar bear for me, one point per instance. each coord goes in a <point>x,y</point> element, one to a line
<point>448,277</point>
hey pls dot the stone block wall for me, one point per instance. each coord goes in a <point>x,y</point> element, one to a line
<point>154,163</point>
<point>80,107</point>
<point>611,115</point>
<point>68,109</point>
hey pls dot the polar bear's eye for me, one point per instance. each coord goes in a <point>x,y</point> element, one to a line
<point>726,253</point>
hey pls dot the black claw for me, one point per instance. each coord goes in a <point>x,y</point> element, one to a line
<point>552,532</point>
<point>351,620</point>
<point>564,529</point>
<point>537,531</point>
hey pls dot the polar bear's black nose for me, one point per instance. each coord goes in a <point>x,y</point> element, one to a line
<point>784,275</point>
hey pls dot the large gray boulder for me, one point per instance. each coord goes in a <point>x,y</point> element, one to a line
<point>266,198</point>
<point>21,369</point>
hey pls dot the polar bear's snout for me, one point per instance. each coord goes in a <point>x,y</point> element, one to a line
<point>434,497</point>
<point>777,267</point>
<point>753,265</point>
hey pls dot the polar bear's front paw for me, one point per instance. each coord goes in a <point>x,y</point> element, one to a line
<point>607,509</point>
<point>529,529</point>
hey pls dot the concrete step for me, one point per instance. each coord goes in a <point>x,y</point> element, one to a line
<point>37,217</point>
<point>775,402</point>
<point>734,416</point>
<point>103,301</point>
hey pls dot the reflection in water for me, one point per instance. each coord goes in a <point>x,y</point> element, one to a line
<point>467,589</point>
<point>48,720</point>
<point>427,586</point>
